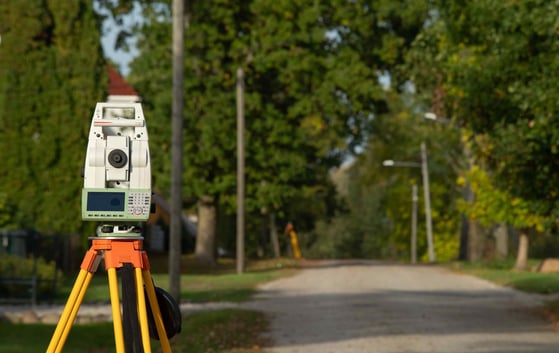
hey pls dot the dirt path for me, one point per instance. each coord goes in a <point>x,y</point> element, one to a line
<point>375,307</point>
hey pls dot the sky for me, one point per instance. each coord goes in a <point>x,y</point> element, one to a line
<point>120,57</point>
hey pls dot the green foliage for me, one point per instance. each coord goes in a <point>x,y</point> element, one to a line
<point>495,63</point>
<point>311,78</point>
<point>376,222</point>
<point>397,135</point>
<point>14,267</point>
<point>6,212</point>
<point>51,75</point>
<point>495,206</point>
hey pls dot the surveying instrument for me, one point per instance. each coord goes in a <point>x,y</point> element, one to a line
<point>117,193</point>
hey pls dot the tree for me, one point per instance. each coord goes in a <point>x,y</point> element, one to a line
<point>495,206</point>
<point>304,104</point>
<point>52,74</point>
<point>495,61</point>
<point>397,136</point>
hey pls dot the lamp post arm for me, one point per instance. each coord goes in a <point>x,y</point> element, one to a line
<point>391,163</point>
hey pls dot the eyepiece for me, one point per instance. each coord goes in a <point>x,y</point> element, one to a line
<point>117,158</point>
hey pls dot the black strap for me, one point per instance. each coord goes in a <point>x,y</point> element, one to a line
<point>131,326</point>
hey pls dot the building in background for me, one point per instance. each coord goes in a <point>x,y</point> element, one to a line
<point>119,90</point>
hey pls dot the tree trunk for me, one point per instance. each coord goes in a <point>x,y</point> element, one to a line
<point>501,241</point>
<point>274,235</point>
<point>464,231</point>
<point>205,240</point>
<point>476,241</point>
<point>522,254</point>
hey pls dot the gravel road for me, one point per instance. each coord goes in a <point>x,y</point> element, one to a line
<point>365,306</point>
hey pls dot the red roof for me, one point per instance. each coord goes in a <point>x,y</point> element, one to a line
<point>117,85</point>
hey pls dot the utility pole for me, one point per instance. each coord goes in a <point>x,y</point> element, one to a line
<point>240,172</point>
<point>427,193</point>
<point>425,176</point>
<point>414,224</point>
<point>175,249</point>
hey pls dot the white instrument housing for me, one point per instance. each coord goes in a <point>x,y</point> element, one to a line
<point>117,173</point>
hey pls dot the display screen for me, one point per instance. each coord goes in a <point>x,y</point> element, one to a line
<point>105,201</point>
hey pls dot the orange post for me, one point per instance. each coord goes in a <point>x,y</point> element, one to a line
<point>290,230</point>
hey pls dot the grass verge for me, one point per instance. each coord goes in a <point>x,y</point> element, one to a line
<point>502,273</point>
<point>226,331</point>
<point>219,283</point>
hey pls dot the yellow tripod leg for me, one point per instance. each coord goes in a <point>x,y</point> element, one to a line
<point>142,311</point>
<point>70,311</point>
<point>165,346</point>
<point>115,308</point>
<point>75,309</point>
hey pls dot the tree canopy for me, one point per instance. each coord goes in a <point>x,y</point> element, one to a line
<point>51,75</point>
<point>312,80</point>
<point>327,82</point>
<point>495,62</point>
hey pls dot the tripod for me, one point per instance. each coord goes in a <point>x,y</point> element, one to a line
<point>125,253</point>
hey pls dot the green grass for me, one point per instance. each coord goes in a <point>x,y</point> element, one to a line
<point>227,331</point>
<point>502,273</point>
<point>22,338</point>
<point>218,283</point>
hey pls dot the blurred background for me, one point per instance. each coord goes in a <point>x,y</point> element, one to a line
<point>333,90</point>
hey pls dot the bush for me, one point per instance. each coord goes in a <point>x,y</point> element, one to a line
<point>18,268</point>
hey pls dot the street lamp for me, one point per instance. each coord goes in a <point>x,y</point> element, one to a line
<point>425,177</point>
<point>392,163</point>
<point>463,253</point>
<point>435,117</point>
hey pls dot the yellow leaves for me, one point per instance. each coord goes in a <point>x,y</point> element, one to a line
<point>404,115</point>
<point>456,92</point>
<point>484,143</point>
<point>455,59</point>
<point>447,245</point>
<point>493,205</point>
<point>465,136</point>
<point>313,125</point>
<point>461,181</point>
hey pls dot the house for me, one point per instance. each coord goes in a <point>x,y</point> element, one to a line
<point>119,90</point>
